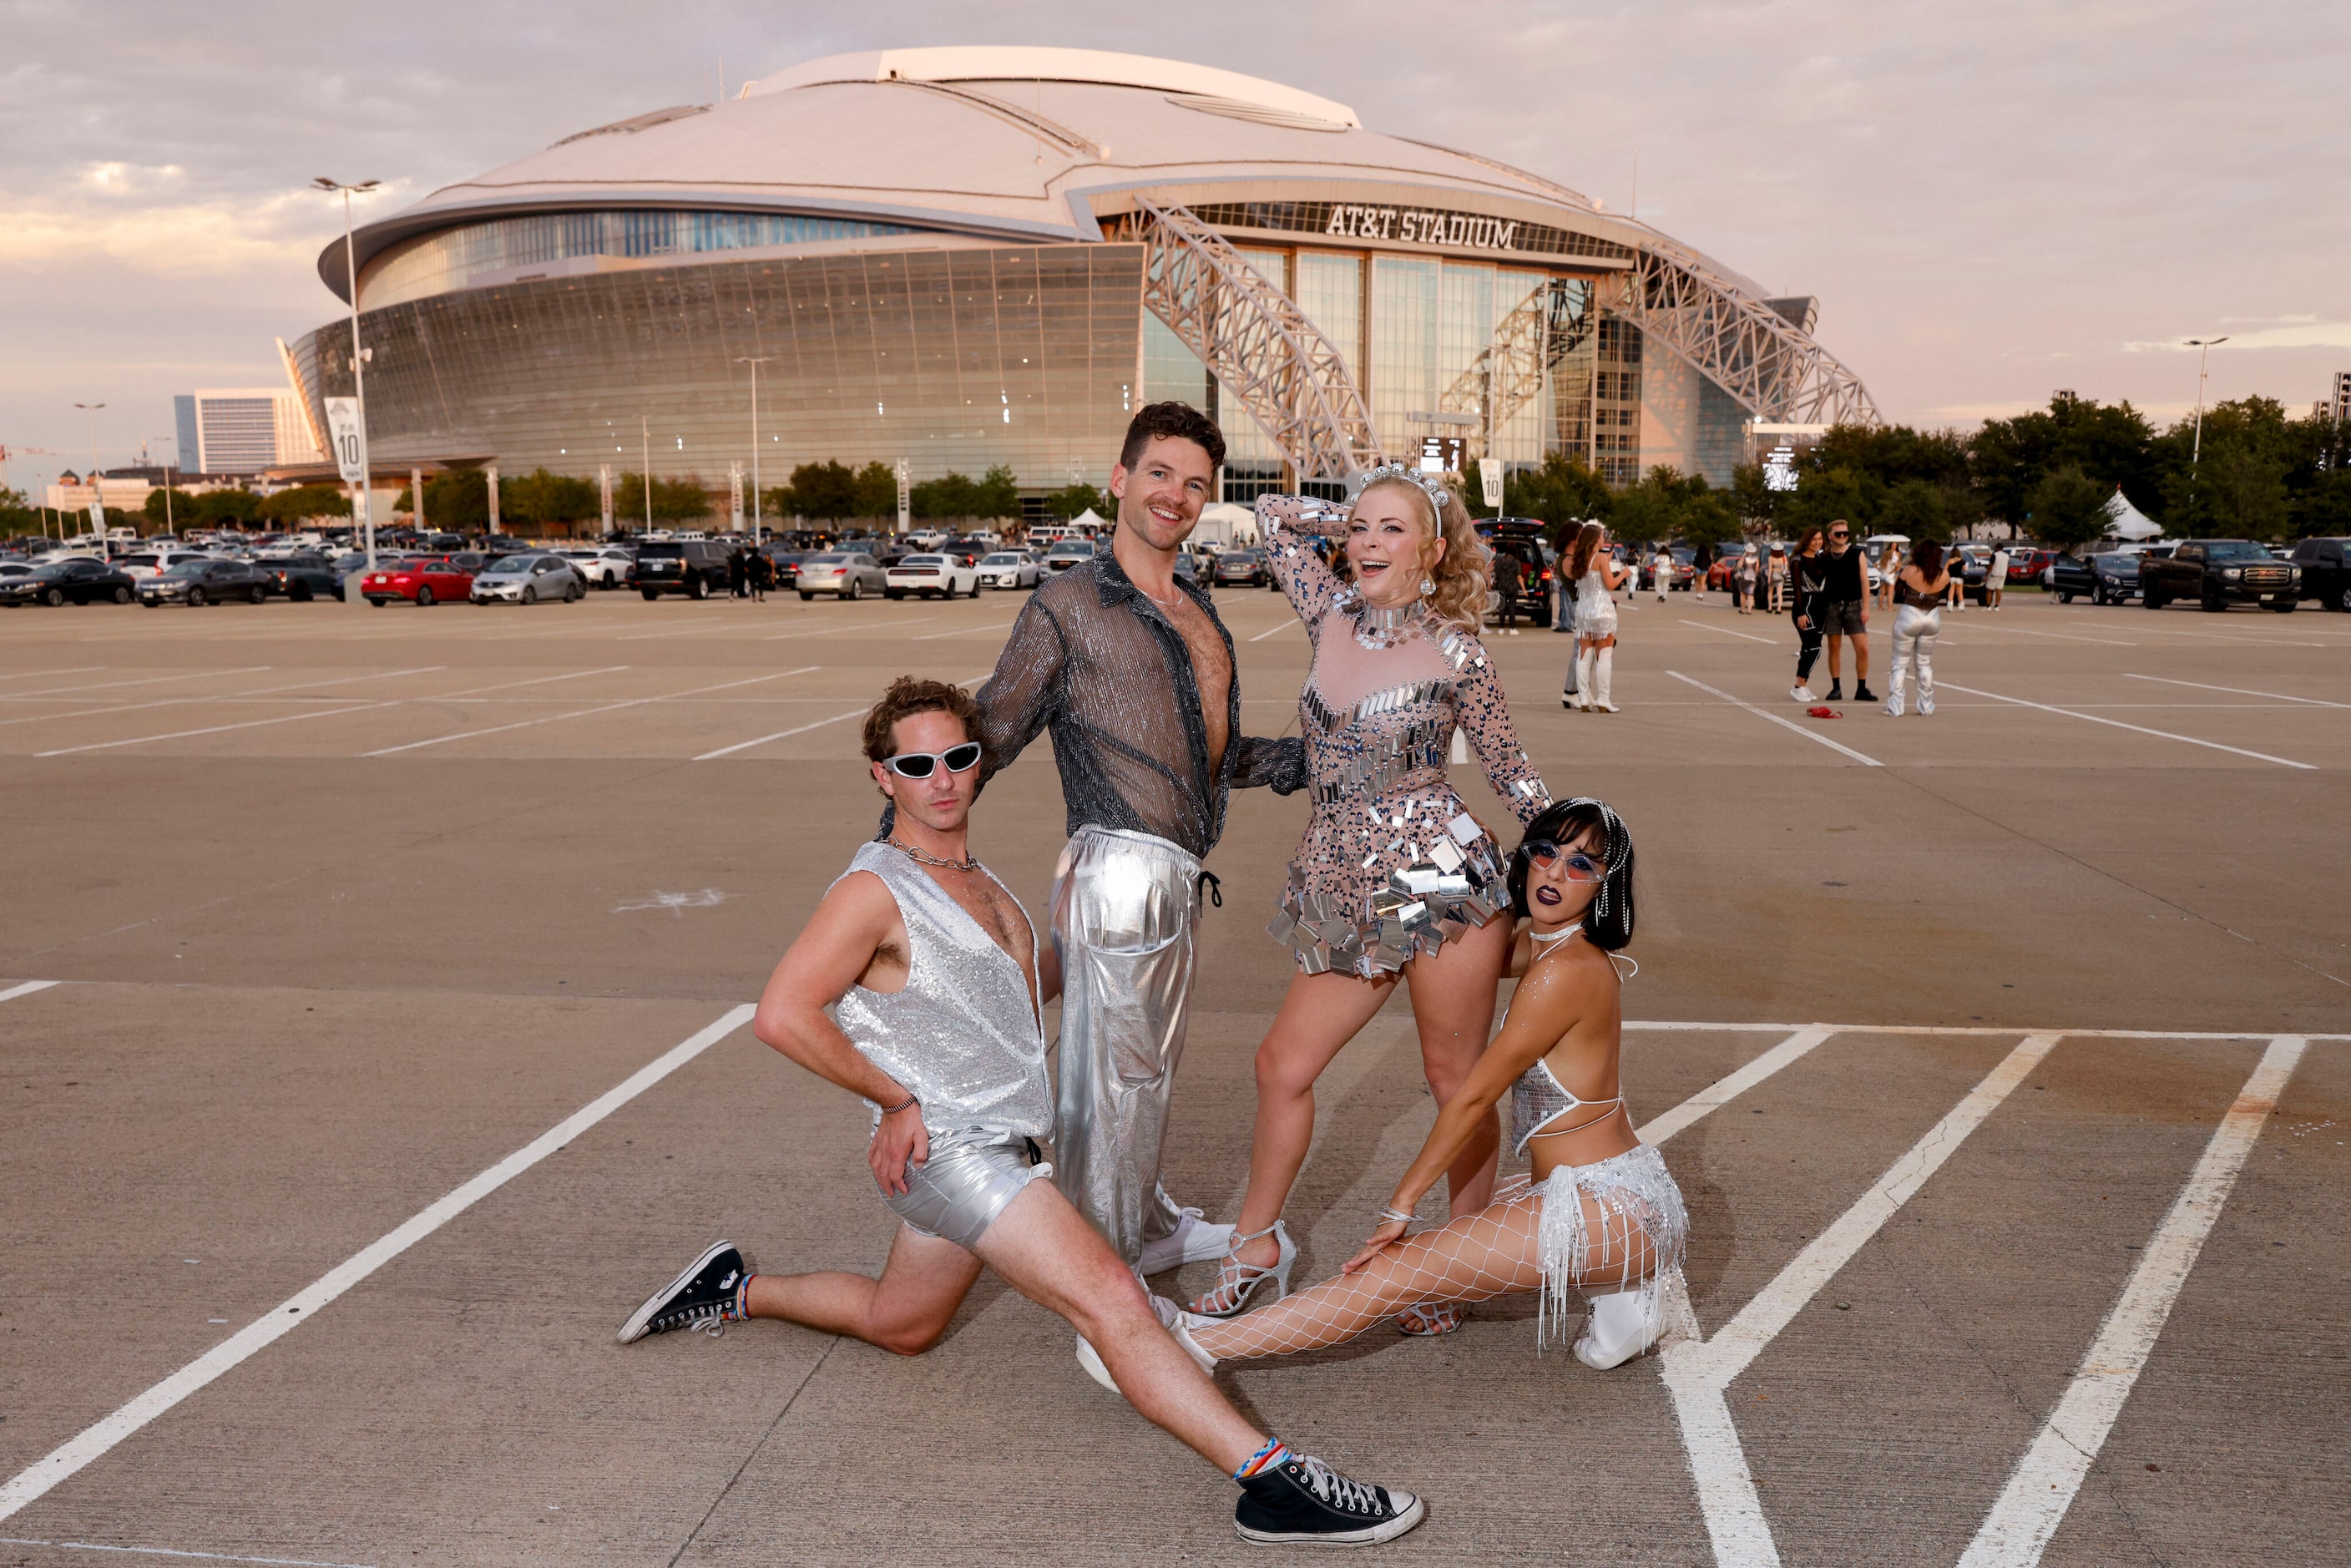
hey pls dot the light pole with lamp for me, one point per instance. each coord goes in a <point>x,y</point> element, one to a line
<point>2204,353</point>
<point>754,365</point>
<point>104,547</point>
<point>363,512</point>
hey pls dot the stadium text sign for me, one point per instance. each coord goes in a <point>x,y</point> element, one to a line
<point>1420,225</point>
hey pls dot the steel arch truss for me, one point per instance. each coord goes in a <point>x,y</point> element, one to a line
<point>1529,343</point>
<point>1738,342</point>
<point>1255,341</point>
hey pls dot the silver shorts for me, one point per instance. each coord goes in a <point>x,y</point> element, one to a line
<point>958,1193</point>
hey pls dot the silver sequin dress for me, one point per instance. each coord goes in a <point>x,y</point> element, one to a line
<point>1392,865</point>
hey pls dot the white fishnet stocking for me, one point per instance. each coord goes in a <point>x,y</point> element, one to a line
<point>1496,1251</point>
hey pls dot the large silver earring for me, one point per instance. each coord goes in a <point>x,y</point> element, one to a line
<point>1427,585</point>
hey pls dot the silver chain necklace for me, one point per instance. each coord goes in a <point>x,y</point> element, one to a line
<point>912,853</point>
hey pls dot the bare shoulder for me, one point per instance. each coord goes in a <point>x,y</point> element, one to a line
<point>1567,983</point>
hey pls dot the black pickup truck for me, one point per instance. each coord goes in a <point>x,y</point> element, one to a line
<point>2325,571</point>
<point>2218,573</point>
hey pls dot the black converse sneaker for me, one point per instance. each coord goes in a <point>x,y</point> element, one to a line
<point>1304,1502</point>
<point>700,1297</point>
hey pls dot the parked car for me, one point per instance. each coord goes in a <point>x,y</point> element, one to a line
<point>426,581</point>
<point>787,563</point>
<point>1520,584</point>
<point>600,565</point>
<point>527,580</point>
<point>1008,569</point>
<point>1066,554</point>
<point>695,568</point>
<point>845,574</point>
<point>944,575</point>
<point>199,582</point>
<point>154,562</point>
<point>300,578</point>
<point>2326,566</point>
<point>2027,562</point>
<point>2218,573</point>
<point>1246,567</point>
<point>80,581</point>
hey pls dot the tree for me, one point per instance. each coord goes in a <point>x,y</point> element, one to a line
<point>1922,510</point>
<point>823,491</point>
<point>299,505</point>
<point>2110,443</point>
<point>675,500</point>
<point>539,497</point>
<point>2068,508</point>
<point>1562,493</point>
<point>1076,501</point>
<point>168,507</point>
<point>2248,489</point>
<point>227,508</point>
<point>998,494</point>
<point>949,495</point>
<point>875,492</point>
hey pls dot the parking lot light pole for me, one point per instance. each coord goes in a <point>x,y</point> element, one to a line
<point>754,365</point>
<point>363,513</point>
<point>2204,353</point>
<point>104,549</point>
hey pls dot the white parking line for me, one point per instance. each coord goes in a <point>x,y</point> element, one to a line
<point>1775,718</point>
<point>1283,627</point>
<point>146,680</point>
<point>680,631</point>
<point>2140,728</point>
<point>219,698</point>
<point>2060,636</point>
<point>173,1552</point>
<point>540,681</point>
<point>829,630</point>
<point>1728,633</point>
<point>36,675</point>
<point>1697,1373</point>
<point>2236,691</point>
<point>24,988</point>
<point>961,631</point>
<point>585,712</point>
<point>2045,1481</point>
<point>213,729</point>
<point>1732,1085</point>
<point>94,1441</point>
<point>780,735</point>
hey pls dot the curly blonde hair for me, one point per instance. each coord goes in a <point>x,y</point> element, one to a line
<point>1468,565</point>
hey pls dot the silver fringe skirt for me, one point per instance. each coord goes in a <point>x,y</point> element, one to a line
<point>1636,1196</point>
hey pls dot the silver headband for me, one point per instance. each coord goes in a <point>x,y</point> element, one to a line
<point>1437,493</point>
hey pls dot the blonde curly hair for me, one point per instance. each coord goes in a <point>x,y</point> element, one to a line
<point>1463,575</point>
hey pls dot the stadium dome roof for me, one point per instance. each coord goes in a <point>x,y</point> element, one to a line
<point>1002,144</point>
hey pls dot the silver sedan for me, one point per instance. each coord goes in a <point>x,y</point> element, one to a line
<point>848,574</point>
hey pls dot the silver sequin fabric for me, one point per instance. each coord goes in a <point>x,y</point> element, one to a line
<point>1634,1194</point>
<point>962,1035</point>
<point>1392,864</point>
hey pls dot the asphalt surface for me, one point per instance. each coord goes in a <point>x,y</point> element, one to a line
<point>348,906</point>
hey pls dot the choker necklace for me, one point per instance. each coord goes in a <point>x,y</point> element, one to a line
<point>1544,936</point>
<point>912,853</point>
<point>1378,626</point>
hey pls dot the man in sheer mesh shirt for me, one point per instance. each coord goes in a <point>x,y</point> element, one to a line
<point>1129,667</point>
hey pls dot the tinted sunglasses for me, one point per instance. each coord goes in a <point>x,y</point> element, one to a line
<point>1581,867</point>
<point>919,764</point>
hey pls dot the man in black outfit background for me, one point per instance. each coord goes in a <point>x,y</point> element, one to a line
<point>1845,612</point>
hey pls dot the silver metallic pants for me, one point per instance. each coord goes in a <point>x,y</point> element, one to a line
<point>1124,906</point>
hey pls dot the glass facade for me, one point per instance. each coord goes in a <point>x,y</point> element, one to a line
<point>438,263</point>
<point>953,360</point>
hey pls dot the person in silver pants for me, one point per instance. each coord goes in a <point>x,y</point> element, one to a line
<point>1125,908</point>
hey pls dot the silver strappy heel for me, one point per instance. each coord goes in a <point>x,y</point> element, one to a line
<point>1236,1281</point>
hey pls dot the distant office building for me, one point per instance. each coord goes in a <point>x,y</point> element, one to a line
<point>243,430</point>
<point>960,257</point>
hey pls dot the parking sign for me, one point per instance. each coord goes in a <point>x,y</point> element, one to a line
<point>349,440</point>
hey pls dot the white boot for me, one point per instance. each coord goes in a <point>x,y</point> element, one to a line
<point>1624,1324</point>
<point>1583,680</point>
<point>1602,668</point>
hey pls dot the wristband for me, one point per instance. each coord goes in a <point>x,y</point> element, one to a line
<point>893,1110</point>
<point>1394,1216</point>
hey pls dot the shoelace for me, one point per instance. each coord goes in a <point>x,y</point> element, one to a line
<point>710,1318</point>
<point>1332,1487</point>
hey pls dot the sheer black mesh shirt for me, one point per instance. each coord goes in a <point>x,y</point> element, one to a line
<point>1096,662</point>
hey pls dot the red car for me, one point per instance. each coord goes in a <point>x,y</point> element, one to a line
<point>2027,565</point>
<point>426,581</point>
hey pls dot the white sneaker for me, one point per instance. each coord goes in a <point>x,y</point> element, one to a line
<point>1179,1325</point>
<point>1194,1241</point>
<point>1800,694</point>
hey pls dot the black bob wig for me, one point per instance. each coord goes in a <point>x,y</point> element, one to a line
<point>1608,918</point>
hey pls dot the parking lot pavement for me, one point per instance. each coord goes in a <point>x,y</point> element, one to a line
<point>309,993</point>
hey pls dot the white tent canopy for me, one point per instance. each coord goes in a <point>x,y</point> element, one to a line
<point>1225,523</point>
<point>2125,521</point>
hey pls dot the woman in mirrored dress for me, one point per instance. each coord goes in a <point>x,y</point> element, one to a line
<point>1395,878</point>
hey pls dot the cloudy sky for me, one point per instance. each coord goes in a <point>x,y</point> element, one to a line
<point>1992,200</point>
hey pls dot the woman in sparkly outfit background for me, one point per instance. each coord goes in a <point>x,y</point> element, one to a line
<point>1394,877</point>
